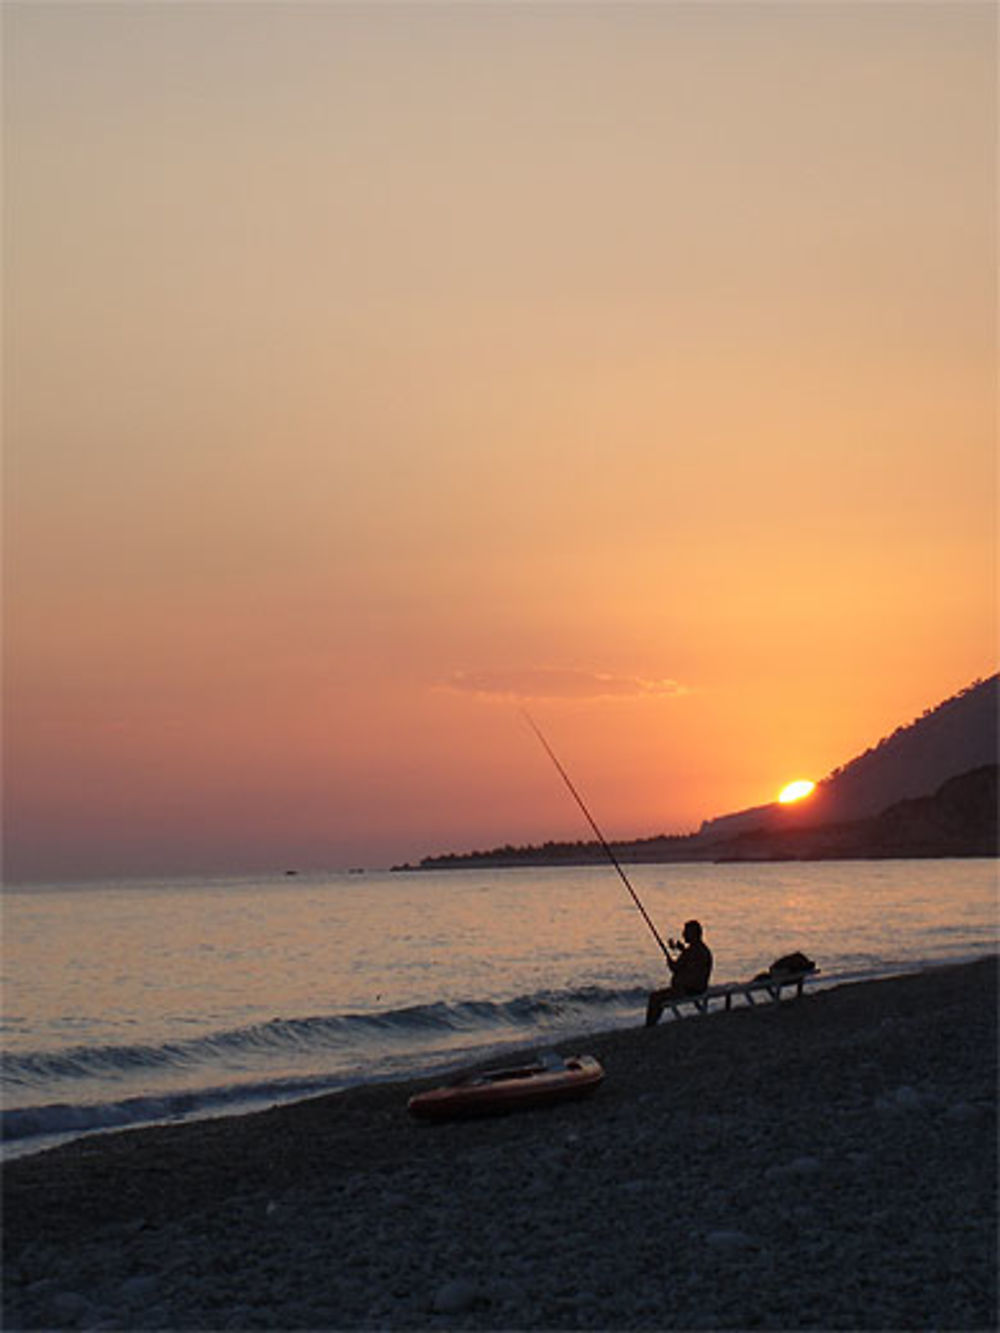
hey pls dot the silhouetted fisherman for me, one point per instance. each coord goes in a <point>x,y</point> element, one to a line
<point>691,970</point>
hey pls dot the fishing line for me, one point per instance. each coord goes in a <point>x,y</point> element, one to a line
<point>593,824</point>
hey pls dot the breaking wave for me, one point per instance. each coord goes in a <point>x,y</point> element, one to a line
<point>85,1088</point>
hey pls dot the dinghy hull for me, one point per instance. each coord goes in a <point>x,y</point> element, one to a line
<point>500,1091</point>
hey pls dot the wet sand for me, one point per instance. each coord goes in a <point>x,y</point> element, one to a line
<point>826,1163</point>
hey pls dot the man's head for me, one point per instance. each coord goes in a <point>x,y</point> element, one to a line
<point>692,931</point>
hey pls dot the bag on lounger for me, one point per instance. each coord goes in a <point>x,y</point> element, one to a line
<point>787,966</point>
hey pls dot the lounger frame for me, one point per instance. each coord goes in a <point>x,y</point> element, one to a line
<point>767,989</point>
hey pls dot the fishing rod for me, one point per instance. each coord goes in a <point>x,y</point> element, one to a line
<point>600,836</point>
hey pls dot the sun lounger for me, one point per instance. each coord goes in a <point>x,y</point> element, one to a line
<point>764,988</point>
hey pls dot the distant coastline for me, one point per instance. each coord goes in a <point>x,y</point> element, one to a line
<point>958,820</point>
<point>928,790</point>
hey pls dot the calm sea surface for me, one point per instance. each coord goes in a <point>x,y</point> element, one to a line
<point>135,1002</point>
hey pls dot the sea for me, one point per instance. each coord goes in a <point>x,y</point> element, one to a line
<point>139,1002</point>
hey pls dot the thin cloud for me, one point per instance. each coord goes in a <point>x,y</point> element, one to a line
<point>559,683</point>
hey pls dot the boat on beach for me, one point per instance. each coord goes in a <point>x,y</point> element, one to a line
<point>553,1078</point>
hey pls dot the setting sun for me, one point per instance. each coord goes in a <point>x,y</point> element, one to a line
<point>796,790</point>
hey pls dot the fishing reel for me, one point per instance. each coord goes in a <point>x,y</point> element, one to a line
<point>677,945</point>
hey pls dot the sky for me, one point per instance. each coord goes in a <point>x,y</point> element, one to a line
<point>374,372</point>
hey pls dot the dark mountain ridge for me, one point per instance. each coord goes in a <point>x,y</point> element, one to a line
<point>959,819</point>
<point>957,736</point>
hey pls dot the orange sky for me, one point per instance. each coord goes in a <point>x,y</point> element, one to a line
<point>373,370</point>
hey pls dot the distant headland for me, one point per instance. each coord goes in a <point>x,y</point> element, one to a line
<point>928,790</point>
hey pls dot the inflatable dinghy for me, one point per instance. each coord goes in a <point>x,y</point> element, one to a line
<point>497,1091</point>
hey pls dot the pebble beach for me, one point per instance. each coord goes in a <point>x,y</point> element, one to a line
<point>825,1163</point>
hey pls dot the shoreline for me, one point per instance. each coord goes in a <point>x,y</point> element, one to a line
<point>822,1163</point>
<point>448,861</point>
<point>437,1067</point>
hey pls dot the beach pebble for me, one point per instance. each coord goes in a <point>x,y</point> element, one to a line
<point>901,1099</point>
<point>633,1186</point>
<point>804,1166</point>
<point>503,1290</point>
<point>704,1319</point>
<point>962,1112</point>
<point>730,1240</point>
<point>41,1289</point>
<point>156,1317</point>
<point>798,1168</point>
<point>39,1262</point>
<point>238,1317</point>
<point>137,1289</point>
<point>455,1296</point>
<point>392,1199</point>
<point>67,1307</point>
<point>907,1098</point>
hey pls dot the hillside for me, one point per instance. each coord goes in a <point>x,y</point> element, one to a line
<point>957,736</point>
<point>959,819</point>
